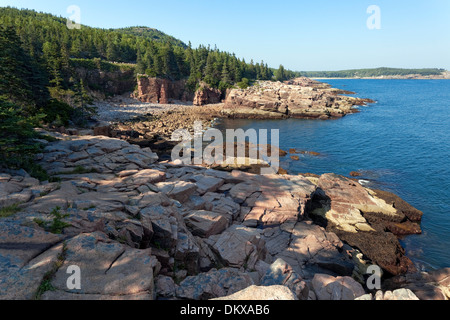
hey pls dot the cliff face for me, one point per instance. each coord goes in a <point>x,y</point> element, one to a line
<point>156,90</point>
<point>107,82</point>
<point>206,95</point>
<point>298,98</point>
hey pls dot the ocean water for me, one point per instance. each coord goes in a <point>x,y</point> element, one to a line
<point>400,144</point>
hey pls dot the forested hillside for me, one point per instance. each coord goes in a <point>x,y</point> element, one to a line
<point>151,34</point>
<point>47,39</point>
<point>47,71</point>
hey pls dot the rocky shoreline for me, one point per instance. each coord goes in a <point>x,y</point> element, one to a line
<point>141,120</point>
<point>140,228</point>
<point>444,76</point>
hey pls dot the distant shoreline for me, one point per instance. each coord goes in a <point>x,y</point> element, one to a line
<point>386,78</point>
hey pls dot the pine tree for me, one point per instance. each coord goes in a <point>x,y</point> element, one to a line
<point>170,68</point>
<point>112,51</point>
<point>54,59</point>
<point>225,74</point>
<point>82,98</point>
<point>209,70</point>
<point>21,80</point>
<point>140,63</point>
<point>280,74</point>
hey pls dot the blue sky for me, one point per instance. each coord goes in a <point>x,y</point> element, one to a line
<point>301,35</point>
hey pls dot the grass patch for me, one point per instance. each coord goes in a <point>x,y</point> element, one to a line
<point>54,179</point>
<point>41,223</point>
<point>46,283</point>
<point>9,210</point>
<point>57,225</point>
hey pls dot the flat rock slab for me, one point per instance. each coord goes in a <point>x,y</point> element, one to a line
<point>205,223</point>
<point>208,184</point>
<point>240,246</point>
<point>19,244</point>
<point>179,190</point>
<point>213,284</point>
<point>26,255</point>
<point>144,177</point>
<point>328,287</point>
<point>262,293</point>
<point>59,198</point>
<point>107,267</point>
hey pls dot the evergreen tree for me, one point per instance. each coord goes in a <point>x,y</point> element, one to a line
<point>52,55</point>
<point>225,74</point>
<point>170,68</point>
<point>209,70</point>
<point>82,98</point>
<point>21,80</point>
<point>141,66</point>
<point>280,74</point>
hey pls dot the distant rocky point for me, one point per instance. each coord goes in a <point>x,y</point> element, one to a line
<point>297,98</point>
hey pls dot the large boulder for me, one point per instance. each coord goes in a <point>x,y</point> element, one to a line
<point>281,273</point>
<point>213,284</point>
<point>205,223</point>
<point>239,246</point>
<point>399,294</point>
<point>178,190</point>
<point>431,285</point>
<point>336,288</point>
<point>262,293</point>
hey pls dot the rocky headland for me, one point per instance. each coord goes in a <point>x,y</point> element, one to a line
<point>299,98</point>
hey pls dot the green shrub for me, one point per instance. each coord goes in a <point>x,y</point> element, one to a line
<point>57,225</point>
<point>57,113</point>
<point>244,84</point>
<point>17,134</point>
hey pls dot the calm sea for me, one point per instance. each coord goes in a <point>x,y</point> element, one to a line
<point>399,144</point>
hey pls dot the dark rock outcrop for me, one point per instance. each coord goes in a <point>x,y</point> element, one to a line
<point>433,285</point>
<point>369,220</point>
